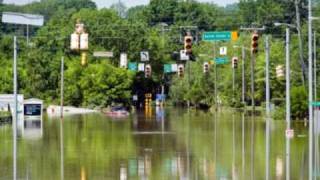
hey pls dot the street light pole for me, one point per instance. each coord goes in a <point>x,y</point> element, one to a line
<point>310,90</point>
<point>288,114</point>
<point>15,116</point>
<point>267,78</point>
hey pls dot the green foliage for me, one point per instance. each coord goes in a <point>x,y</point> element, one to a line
<point>299,102</point>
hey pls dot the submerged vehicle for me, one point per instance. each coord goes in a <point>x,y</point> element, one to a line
<point>118,111</point>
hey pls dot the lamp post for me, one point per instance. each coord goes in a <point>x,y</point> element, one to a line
<point>288,109</point>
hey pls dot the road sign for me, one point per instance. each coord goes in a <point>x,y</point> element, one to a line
<point>167,68</point>
<point>144,55</point>
<point>183,55</point>
<point>133,66</point>
<point>123,60</point>
<point>220,36</point>
<point>141,67</point>
<point>316,104</point>
<point>223,51</point>
<point>103,54</point>
<point>289,133</point>
<point>222,60</point>
<point>21,18</point>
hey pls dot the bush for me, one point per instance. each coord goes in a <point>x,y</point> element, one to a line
<point>299,102</point>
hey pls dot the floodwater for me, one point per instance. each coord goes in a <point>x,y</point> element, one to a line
<point>158,144</point>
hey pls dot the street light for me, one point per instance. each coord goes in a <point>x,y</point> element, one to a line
<point>288,110</point>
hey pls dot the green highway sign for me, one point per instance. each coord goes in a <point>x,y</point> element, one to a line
<point>167,68</point>
<point>223,60</point>
<point>133,66</point>
<point>316,104</point>
<point>220,36</point>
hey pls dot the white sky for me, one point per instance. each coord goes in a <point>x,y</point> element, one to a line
<point>128,3</point>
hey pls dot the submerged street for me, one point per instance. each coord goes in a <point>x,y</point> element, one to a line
<point>158,143</point>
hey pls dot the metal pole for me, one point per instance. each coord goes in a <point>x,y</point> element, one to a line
<point>288,114</point>
<point>27,34</point>
<point>62,86</point>
<point>252,81</point>
<point>303,65</point>
<point>310,90</point>
<point>15,116</point>
<point>215,77</point>
<point>267,78</point>
<point>268,148</point>
<point>233,83</point>
<point>315,65</point>
<point>243,75</point>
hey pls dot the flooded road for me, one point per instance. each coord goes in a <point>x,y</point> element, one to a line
<point>158,144</point>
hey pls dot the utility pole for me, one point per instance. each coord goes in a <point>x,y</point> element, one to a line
<point>315,64</point>
<point>288,114</point>
<point>310,91</point>
<point>243,74</point>
<point>233,83</point>
<point>303,65</point>
<point>267,78</point>
<point>253,59</point>
<point>62,86</point>
<point>15,116</point>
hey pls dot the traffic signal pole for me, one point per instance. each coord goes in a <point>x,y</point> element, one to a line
<point>243,74</point>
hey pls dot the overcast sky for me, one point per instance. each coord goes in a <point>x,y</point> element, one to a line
<point>128,3</point>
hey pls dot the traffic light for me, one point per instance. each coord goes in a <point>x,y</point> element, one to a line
<point>148,71</point>
<point>206,67</point>
<point>180,70</point>
<point>254,44</point>
<point>279,71</point>
<point>188,44</point>
<point>235,62</point>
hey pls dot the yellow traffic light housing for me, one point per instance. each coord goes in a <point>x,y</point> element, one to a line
<point>254,44</point>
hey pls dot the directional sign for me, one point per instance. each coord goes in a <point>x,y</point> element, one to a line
<point>223,60</point>
<point>144,55</point>
<point>220,36</point>
<point>103,54</point>
<point>316,104</point>
<point>21,18</point>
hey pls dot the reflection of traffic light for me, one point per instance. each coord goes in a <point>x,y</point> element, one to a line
<point>254,44</point>
<point>188,44</point>
<point>206,67</point>
<point>148,71</point>
<point>180,70</point>
<point>279,71</point>
<point>235,62</point>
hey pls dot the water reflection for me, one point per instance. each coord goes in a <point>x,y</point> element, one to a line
<point>168,144</point>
